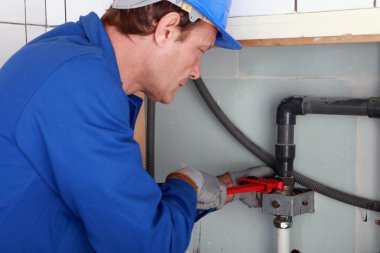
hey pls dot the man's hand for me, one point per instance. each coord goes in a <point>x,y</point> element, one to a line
<point>227,181</point>
<point>211,191</point>
<point>251,199</point>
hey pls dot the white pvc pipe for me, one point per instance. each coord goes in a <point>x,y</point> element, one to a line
<point>283,240</point>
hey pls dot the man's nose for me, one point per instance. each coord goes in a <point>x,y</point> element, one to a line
<point>196,73</point>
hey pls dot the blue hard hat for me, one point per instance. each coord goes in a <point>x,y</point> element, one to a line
<point>217,12</point>
<point>214,11</point>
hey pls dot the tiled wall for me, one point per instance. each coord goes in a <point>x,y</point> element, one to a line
<point>326,5</point>
<point>270,7</point>
<point>23,20</point>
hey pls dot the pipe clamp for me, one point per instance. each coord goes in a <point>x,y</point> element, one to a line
<point>289,205</point>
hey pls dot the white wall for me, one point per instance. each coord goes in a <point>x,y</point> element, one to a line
<point>269,7</point>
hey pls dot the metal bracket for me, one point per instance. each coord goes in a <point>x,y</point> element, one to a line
<point>278,204</point>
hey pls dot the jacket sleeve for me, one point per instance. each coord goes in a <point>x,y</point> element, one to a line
<point>79,119</point>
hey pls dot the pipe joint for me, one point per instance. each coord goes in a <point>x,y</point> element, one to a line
<point>283,222</point>
<point>285,155</point>
<point>288,109</point>
<point>374,107</point>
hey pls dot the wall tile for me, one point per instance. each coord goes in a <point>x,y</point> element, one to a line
<point>261,7</point>
<point>12,11</point>
<point>377,3</point>
<point>12,39</point>
<point>55,10</point>
<point>77,8</point>
<point>328,5</point>
<point>33,32</point>
<point>35,12</point>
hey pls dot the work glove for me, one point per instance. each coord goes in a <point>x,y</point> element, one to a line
<point>251,199</point>
<point>211,193</point>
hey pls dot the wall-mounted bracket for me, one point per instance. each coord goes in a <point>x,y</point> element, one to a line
<point>278,204</point>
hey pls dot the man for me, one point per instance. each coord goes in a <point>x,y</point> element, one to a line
<point>71,178</point>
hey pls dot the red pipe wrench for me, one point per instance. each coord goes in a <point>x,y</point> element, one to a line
<point>251,184</point>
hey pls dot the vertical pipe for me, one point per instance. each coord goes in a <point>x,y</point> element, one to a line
<point>283,240</point>
<point>285,153</point>
<point>150,136</point>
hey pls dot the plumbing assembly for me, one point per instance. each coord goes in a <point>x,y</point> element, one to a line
<point>269,160</point>
<point>290,201</point>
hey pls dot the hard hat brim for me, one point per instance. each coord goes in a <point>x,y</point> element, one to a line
<point>225,40</point>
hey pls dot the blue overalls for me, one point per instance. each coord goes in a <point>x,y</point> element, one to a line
<point>71,175</point>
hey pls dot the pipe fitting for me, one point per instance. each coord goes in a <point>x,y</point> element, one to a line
<point>288,109</point>
<point>283,222</point>
<point>285,154</point>
<point>374,107</point>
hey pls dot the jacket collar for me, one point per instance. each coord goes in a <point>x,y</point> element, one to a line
<point>97,35</point>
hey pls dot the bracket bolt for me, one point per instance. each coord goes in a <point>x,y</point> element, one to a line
<point>275,204</point>
<point>305,203</point>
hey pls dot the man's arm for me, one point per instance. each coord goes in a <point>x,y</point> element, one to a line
<point>80,118</point>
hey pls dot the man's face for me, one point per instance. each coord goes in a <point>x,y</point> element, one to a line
<point>179,61</point>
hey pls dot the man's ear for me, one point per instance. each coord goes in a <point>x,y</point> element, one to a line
<point>167,29</point>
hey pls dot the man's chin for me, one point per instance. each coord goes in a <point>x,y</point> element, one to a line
<point>168,100</point>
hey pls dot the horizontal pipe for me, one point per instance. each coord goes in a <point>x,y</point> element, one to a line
<point>335,106</point>
<point>290,107</point>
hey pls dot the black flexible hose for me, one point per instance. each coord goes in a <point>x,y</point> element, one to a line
<point>150,136</point>
<point>268,159</point>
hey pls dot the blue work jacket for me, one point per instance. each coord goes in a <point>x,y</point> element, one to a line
<point>71,175</point>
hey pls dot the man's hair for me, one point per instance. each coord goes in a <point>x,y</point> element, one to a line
<point>143,20</point>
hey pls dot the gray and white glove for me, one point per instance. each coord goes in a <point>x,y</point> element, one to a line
<point>211,193</point>
<point>251,199</point>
